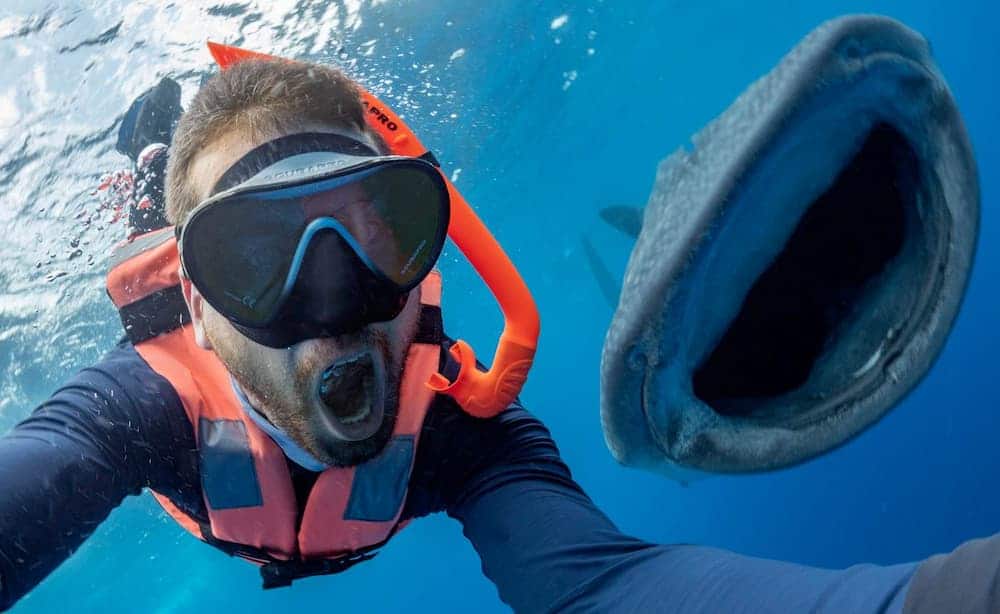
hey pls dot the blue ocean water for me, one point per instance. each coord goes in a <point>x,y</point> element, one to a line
<point>545,112</point>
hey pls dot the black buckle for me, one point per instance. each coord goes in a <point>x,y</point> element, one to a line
<point>277,574</point>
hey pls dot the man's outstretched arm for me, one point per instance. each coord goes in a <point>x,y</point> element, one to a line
<point>548,548</point>
<point>110,431</point>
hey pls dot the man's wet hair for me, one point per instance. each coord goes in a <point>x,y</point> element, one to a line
<point>258,98</point>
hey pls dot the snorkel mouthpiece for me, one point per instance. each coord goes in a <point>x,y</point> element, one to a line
<point>481,394</point>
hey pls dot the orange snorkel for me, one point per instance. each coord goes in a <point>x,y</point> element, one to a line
<point>482,394</point>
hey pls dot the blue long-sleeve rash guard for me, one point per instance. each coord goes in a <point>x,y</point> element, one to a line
<point>119,427</point>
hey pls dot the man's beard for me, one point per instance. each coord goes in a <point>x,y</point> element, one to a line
<point>293,411</point>
<point>340,452</point>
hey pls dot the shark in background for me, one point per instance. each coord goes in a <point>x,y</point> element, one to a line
<point>628,220</point>
<point>798,270</point>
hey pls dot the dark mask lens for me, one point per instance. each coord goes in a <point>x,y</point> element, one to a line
<point>243,248</point>
<point>406,222</point>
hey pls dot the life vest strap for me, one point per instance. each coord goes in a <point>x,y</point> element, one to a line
<point>154,314</point>
<point>430,328</point>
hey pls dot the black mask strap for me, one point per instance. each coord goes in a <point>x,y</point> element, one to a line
<point>267,154</point>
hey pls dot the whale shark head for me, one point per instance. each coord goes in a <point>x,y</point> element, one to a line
<point>798,270</point>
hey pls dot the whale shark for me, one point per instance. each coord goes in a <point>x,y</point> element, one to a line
<point>799,267</point>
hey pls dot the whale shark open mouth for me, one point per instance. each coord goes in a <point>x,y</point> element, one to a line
<point>843,292</point>
<point>799,268</point>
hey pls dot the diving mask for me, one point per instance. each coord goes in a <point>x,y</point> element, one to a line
<point>315,235</point>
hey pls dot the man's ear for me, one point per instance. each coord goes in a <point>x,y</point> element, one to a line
<point>196,306</point>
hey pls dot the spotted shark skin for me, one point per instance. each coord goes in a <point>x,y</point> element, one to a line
<point>721,210</point>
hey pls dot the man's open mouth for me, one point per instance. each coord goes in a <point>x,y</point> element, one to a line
<point>352,391</point>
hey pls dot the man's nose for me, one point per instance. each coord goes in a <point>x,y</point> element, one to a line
<point>328,278</point>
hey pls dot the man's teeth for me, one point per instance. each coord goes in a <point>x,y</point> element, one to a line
<point>364,412</point>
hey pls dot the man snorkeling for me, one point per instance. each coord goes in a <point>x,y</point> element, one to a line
<point>273,392</point>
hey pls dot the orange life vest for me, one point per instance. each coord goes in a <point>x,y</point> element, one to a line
<point>245,481</point>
